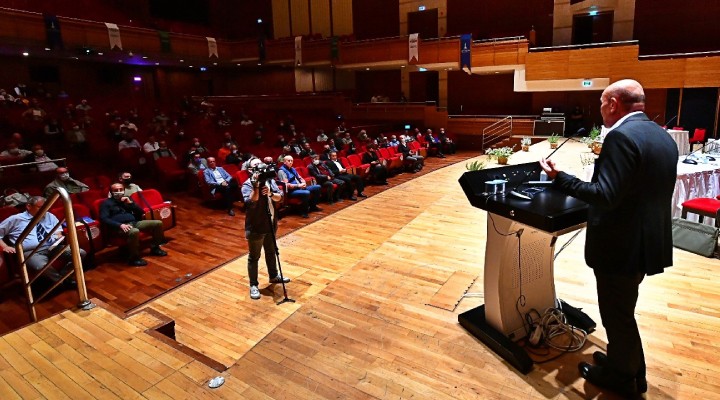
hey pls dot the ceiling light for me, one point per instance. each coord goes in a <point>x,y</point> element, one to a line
<point>100,54</point>
<point>157,63</point>
<point>144,57</point>
<point>367,69</point>
<point>25,53</point>
<point>182,60</point>
<point>47,49</point>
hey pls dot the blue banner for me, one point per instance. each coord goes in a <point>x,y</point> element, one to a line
<point>465,46</point>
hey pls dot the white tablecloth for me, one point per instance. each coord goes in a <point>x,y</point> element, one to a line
<point>701,180</point>
<point>681,138</point>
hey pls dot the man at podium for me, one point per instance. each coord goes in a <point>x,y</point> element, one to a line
<point>628,229</point>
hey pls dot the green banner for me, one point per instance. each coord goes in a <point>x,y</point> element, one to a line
<point>165,42</point>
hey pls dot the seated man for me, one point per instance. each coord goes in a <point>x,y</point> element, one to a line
<point>434,143</point>
<point>125,178</point>
<point>163,151</point>
<point>378,170</point>
<point>411,159</point>
<point>44,163</point>
<point>326,179</point>
<point>121,215</point>
<point>448,146</point>
<point>298,188</point>
<point>221,182</point>
<point>352,181</point>
<point>196,164</point>
<point>63,180</point>
<point>13,226</point>
<point>13,151</point>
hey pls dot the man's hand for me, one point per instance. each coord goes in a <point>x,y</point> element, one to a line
<point>125,227</point>
<point>549,167</point>
<point>126,200</point>
<point>265,191</point>
<point>224,183</point>
<point>8,249</point>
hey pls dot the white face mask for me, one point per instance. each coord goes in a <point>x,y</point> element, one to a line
<point>118,195</point>
<point>316,162</point>
<point>64,177</point>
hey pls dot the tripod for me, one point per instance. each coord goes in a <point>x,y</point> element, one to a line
<point>277,250</point>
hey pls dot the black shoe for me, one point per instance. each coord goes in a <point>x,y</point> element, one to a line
<point>138,262</point>
<point>353,198</point>
<point>277,279</point>
<point>304,215</point>
<point>157,251</point>
<point>231,212</point>
<point>315,208</point>
<point>600,359</point>
<point>603,378</point>
<point>362,194</point>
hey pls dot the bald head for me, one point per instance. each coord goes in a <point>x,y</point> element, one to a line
<point>621,98</point>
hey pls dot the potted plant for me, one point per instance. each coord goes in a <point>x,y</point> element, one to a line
<point>596,140</point>
<point>501,153</point>
<point>525,143</point>
<point>476,165</point>
<point>553,140</point>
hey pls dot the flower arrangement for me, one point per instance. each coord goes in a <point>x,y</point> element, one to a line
<point>525,143</point>
<point>501,153</point>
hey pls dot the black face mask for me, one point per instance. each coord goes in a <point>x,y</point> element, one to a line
<point>127,181</point>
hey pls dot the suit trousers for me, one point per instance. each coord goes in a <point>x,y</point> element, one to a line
<point>257,242</point>
<point>42,256</point>
<point>617,297</point>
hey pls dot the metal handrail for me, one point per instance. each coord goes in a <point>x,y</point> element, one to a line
<point>71,241</point>
<point>25,164</point>
<point>497,129</point>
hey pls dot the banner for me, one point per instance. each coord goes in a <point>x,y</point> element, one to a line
<point>212,47</point>
<point>413,47</point>
<point>334,48</point>
<point>465,47</point>
<point>53,38</point>
<point>298,50</point>
<point>261,49</point>
<point>114,34</point>
<point>164,42</point>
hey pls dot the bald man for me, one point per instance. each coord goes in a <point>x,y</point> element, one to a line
<point>63,180</point>
<point>629,227</point>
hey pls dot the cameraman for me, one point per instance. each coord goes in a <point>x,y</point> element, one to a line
<point>259,192</point>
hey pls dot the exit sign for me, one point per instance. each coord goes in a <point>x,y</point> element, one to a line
<point>586,83</point>
<point>421,8</point>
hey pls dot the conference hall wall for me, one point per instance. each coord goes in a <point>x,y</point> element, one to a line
<point>671,26</point>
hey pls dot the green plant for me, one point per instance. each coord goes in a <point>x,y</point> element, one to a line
<point>594,133</point>
<point>476,165</point>
<point>500,151</point>
<point>553,138</point>
<point>526,141</point>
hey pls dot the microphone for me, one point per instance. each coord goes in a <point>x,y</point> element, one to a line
<point>656,117</point>
<point>693,159</point>
<point>528,195</point>
<point>670,120</point>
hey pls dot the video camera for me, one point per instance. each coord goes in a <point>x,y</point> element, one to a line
<point>263,172</point>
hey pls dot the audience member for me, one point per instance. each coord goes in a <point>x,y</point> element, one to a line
<point>13,151</point>
<point>196,164</point>
<point>224,151</point>
<point>411,159</point>
<point>44,243</point>
<point>129,141</point>
<point>378,171</point>
<point>434,143</point>
<point>448,146</point>
<point>221,182</point>
<point>44,162</point>
<point>126,179</point>
<point>307,151</point>
<point>163,151</point>
<point>322,137</point>
<point>298,188</point>
<point>122,216</point>
<point>235,157</point>
<point>352,181</point>
<point>63,180</point>
<point>151,145</point>
<point>325,178</point>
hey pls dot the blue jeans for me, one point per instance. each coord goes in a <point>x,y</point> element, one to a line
<point>309,196</point>
<point>256,242</point>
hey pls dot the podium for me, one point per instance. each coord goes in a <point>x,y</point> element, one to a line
<point>519,253</point>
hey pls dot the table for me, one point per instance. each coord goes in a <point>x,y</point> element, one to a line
<point>681,139</point>
<point>693,181</point>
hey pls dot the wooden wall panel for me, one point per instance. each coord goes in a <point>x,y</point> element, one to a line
<point>373,19</point>
<point>281,19</point>
<point>669,26</point>
<point>320,15</point>
<point>655,73</point>
<point>303,80</point>
<point>486,94</point>
<point>300,17</point>
<point>702,72</point>
<point>439,51</point>
<point>342,17</point>
<point>366,52</point>
<point>547,65</point>
<point>323,79</point>
<point>372,83</point>
<point>316,51</point>
<point>587,63</point>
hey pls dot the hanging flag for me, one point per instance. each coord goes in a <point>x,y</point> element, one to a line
<point>53,38</point>
<point>298,50</point>
<point>164,41</point>
<point>261,48</point>
<point>413,47</point>
<point>334,48</point>
<point>465,57</point>
<point>114,34</point>
<point>212,47</point>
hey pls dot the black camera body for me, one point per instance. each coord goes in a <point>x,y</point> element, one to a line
<point>264,172</point>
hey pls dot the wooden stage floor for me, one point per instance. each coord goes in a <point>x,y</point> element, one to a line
<point>376,285</point>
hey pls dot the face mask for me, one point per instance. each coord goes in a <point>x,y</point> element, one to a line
<point>64,177</point>
<point>118,195</point>
<point>39,153</point>
<point>316,162</point>
<point>197,144</point>
<point>127,181</point>
<point>14,151</point>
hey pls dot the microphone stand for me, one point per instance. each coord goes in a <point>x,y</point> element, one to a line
<point>692,156</point>
<point>277,250</point>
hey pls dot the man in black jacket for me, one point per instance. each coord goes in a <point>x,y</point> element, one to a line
<point>326,179</point>
<point>121,214</point>
<point>629,228</point>
<point>352,181</point>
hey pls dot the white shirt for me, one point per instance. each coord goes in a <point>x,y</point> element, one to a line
<point>150,147</point>
<point>340,167</point>
<point>218,176</point>
<point>621,120</point>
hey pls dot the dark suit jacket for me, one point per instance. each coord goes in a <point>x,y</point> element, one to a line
<point>629,227</point>
<point>332,167</point>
